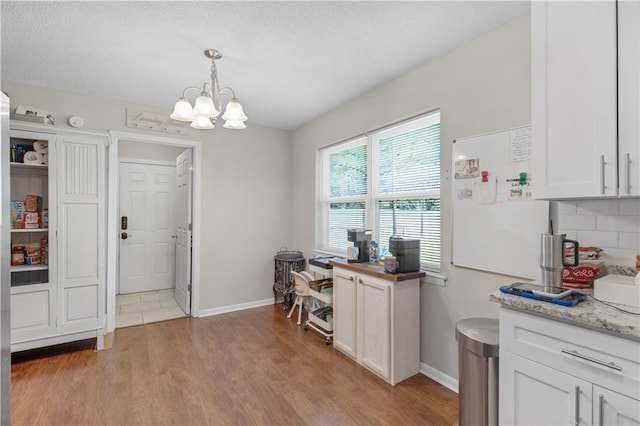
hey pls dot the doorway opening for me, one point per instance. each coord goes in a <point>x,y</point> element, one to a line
<point>154,206</point>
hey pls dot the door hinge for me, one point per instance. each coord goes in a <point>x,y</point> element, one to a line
<point>189,287</point>
<point>190,227</point>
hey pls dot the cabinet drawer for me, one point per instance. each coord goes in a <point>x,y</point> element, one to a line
<point>609,361</point>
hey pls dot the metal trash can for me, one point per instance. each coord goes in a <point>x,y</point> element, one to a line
<point>285,262</point>
<point>478,349</point>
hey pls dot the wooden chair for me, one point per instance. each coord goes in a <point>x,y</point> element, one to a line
<point>301,280</point>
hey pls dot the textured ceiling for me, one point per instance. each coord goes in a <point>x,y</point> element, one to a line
<point>288,62</point>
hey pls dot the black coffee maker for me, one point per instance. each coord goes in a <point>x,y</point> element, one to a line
<point>361,239</point>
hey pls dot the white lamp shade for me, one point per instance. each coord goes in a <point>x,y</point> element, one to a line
<point>234,111</point>
<point>204,106</point>
<point>183,111</point>
<point>202,123</point>
<point>234,125</point>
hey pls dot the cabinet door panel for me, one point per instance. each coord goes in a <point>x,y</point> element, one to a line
<point>79,253</point>
<point>374,316</point>
<point>629,97</point>
<point>611,408</point>
<point>533,394</point>
<point>80,303</point>
<point>81,207</point>
<point>574,119</point>
<point>344,312</point>
<point>31,310</point>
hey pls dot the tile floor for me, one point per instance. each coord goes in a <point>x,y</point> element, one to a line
<point>147,307</point>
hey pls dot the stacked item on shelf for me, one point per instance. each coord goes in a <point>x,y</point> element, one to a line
<point>29,214</point>
<point>30,154</point>
<point>30,254</point>
<point>589,268</point>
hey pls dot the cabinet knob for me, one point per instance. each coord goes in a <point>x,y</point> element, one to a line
<point>350,278</point>
<point>360,280</point>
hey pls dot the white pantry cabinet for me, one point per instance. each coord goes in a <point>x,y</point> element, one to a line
<point>376,322</point>
<point>577,49</point>
<point>60,300</point>
<point>553,373</point>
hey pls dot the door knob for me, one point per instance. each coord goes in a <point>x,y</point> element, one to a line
<point>124,236</point>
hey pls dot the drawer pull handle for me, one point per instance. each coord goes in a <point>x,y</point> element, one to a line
<point>627,179</point>
<point>603,187</point>
<point>591,359</point>
<point>601,413</point>
<point>578,419</point>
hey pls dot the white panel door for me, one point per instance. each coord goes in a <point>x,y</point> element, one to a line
<point>147,249</point>
<point>81,228</point>
<point>374,331</point>
<point>533,394</point>
<point>573,98</point>
<point>344,312</point>
<point>184,180</point>
<point>629,97</point>
<point>612,409</point>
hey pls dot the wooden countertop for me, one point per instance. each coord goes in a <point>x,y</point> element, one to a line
<point>376,270</point>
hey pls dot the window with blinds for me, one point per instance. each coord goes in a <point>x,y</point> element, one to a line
<point>389,182</point>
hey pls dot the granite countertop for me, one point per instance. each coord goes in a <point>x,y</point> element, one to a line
<point>376,270</point>
<point>590,313</point>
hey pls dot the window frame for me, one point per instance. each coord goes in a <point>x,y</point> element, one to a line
<point>372,196</point>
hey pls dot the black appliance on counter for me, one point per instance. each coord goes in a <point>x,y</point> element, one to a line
<point>361,238</point>
<point>407,253</point>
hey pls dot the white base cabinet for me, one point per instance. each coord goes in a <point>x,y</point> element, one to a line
<point>377,323</point>
<point>552,373</point>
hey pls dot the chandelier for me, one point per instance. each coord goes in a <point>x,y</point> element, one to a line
<point>208,104</point>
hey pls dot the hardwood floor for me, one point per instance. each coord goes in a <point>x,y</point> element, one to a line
<point>251,367</point>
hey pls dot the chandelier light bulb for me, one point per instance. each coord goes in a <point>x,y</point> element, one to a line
<point>234,111</point>
<point>183,111</point>
<point>234,125</point>
<point>204,106</point>
<point>202,123</point>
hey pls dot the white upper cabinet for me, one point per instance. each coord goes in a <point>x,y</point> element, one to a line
<point>574,99</point>
<point>629,97</point>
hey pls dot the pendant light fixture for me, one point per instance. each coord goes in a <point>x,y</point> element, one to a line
<point>208,104</point>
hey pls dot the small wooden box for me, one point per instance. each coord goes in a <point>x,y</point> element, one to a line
<point>319,285</point>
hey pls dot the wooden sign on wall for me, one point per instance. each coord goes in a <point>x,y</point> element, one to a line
<point>146,120</point>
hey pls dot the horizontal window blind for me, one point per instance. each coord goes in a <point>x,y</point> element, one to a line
<point>343,216</point>
<point>417,219</point>
<point>410,162</point>
<point>348,172</point>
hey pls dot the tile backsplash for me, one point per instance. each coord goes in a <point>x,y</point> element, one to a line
<point>613,225</point>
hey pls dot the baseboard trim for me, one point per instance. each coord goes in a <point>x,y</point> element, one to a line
<point>233,308</point>
<point>439,377</point>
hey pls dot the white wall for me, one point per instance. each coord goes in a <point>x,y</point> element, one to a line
<point>148,151</point>
<point>479,88</point>
<point>246,200</point>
